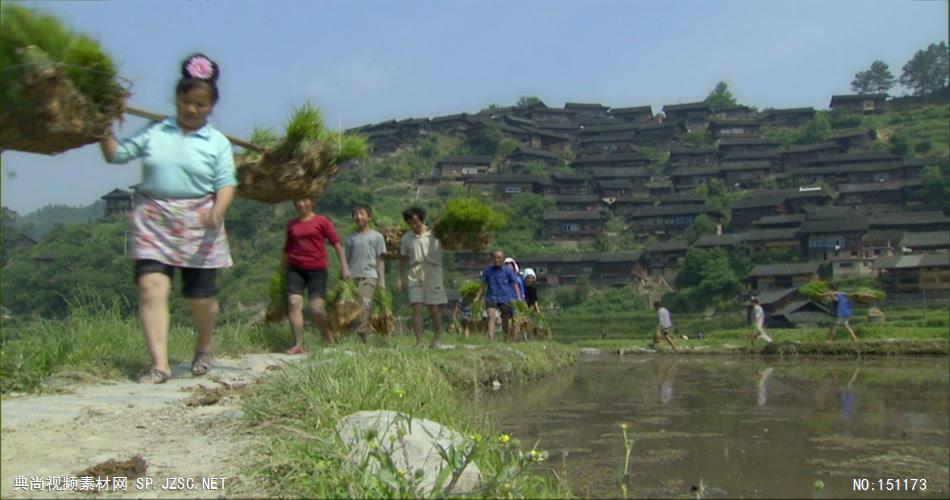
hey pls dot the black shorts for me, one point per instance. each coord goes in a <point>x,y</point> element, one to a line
<point>314,281</point>
<point>199,283</point>
<point>506,310</point>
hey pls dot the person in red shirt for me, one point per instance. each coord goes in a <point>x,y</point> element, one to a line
<point>305,262</point>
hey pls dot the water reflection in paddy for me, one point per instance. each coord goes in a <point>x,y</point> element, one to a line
<point>745,426</point>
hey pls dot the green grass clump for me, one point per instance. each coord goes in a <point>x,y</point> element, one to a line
<point>300,407</point>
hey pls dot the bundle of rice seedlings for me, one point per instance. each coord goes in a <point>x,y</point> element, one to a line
<point>58,89</point>
<point>301,164</point>
<point>393,236</point>
<point>277,293</point>
<point>865,295</point>
<point>467,224</point>
<point>469,290</point>
<point>381,316</point>
<point>344,305</point>
<point>816,291</point>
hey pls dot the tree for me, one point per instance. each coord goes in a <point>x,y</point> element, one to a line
<point>485,140</point>
<point>700,226</point>
<point>877,79</point>
<point>816,130</point>
<point>720,97</point>
<point>528,101</point>
<point>927,71</point>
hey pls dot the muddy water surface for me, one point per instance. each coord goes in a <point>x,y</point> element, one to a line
<point>740,426</point>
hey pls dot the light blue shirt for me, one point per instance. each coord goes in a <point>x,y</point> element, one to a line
<point>177,165</point>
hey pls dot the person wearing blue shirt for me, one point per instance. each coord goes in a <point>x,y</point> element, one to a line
<point>842,313</point>
<point>501,285</point>
<point>188,183</point>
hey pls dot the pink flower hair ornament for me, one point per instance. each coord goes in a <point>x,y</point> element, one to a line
<point>200,67</point>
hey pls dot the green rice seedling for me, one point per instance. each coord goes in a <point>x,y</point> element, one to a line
<point>467,224</point>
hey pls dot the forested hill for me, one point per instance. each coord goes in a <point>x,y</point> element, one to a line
<point>42,278</point>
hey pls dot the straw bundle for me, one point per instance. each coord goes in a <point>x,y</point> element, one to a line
<point>58,89</point>
<point>299,165</point>
<point>467,224</point>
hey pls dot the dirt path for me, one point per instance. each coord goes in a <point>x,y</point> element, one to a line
<point>178,436</point>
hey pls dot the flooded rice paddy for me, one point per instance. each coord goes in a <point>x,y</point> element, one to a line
<point>740,426</point>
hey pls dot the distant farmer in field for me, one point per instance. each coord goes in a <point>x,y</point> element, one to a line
<point>178,212</point>
<point>501,284</point>
<point>305,262</point>
<point>364,257</point>
<point>842,313</point>
<point>758,322</point>
<point>421,252</point>
<point>531,290</point>
<point>664,330</point>
<point>513,265</point>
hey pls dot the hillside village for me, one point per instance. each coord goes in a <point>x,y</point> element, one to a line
<point>843,206</point>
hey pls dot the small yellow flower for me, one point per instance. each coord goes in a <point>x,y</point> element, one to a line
<point>399,393</point>
<point>402,472</point>
<point>536,455</point>
<point>623,426</point>
<point>476,437</point>
<point>504,438</point>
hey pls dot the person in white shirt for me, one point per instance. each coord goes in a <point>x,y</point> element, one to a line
<point>758,319</point>
<point>664,329</point>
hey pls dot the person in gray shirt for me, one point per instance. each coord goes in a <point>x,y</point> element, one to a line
<point>364,257</point>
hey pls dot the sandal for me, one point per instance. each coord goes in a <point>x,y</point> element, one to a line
<point>154,376</point>
<point>201,363</point>
<point>294,350</point>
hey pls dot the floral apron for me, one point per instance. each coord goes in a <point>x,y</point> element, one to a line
<point>170,230</point>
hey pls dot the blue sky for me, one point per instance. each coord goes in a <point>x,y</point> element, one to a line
<point>364,61</point>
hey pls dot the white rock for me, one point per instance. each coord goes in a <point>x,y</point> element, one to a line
<point>416,450</point>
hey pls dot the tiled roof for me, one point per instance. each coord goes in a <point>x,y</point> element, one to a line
<point>785,269</point>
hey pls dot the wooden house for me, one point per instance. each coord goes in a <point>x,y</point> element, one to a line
<point>586,111</point>
<point>669,219</point>
<point>859,103</point>
<point>756,205</point>
<point>780,276</point>
<point>574,226</point>
<point>772,157</point>
<point>626,205</point>
<point>695,114</point>
<point>577,202</point>
<point>728,147</point>
<point>851,139</point>
<point>629,159</point>
<point>854,157</point>
<point>729,240</point>
<point>887,194</point>
<point>641,115</point>
<point>926,241</point>
<point>802,313</point>
<point>763,240</point>
<point>735,112</point>
<point>118,203</point>
<point>549,140</point>
<point>660,134</point>
<point>638,177</point>
<point>571,183</point>
<point>932,220</point>
<point>788,117</point>
<point>459,168</point>
<point>881,242</point>
<point>694,157</point>
<point>506,186</point>
<point>458,124</point>
<point>834,238</point>
<point>746,175</point>
<point>682,198</point>
<point>556,269</point>
<point>685,178</point>
<point>469,264</point>
<point>613,188</point>
<point>542,114</point>
<point>927,273</point>
<point>780,221</point>
<point>524,155</point>
<point>800,155</point>
<point>733,128</point>
<point>664,259</point>
<point>659,186</point>
<point>618,268</point>
<point>608,143</point>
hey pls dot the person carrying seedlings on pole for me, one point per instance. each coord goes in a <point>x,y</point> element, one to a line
<point>305,263</point>
<point>188,182</point>
<point>501,285</point>
<point>758,320</point>
<point>842,313</point>
<point>364,257</point>
<point>664,330</point>
<point>420,263</point>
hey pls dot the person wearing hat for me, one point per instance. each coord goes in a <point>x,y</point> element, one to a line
<point>530,290</point>
<point>513,265</point>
